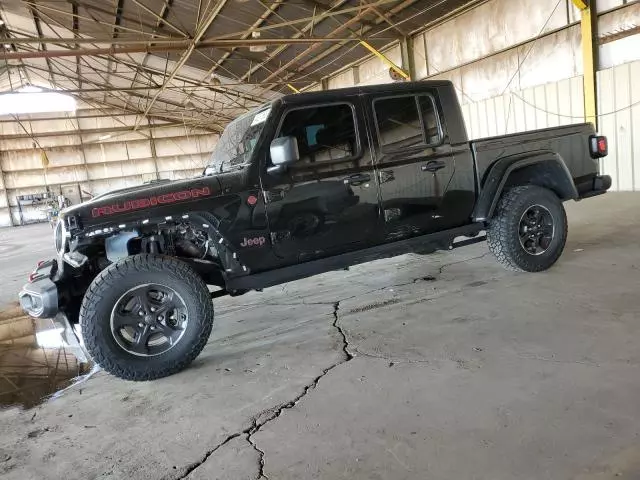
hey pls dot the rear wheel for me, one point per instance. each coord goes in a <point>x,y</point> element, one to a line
<point>528,230</point>
<point>146,317</point>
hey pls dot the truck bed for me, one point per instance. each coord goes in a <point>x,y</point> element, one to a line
<point>568,141</point>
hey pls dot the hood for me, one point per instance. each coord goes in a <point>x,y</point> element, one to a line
<point>144,201</point>
<point>131,189</point>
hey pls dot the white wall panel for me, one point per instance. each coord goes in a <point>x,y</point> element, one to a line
<point>182,162</point>
<point>549,105</point>
<point>602,5</point>
<point>169,146</point>
<point>489,28</point>
<point>490,78</point>
<point>17,160</point>
<point>342,80</point>
<point>117,151</point>
<point>619,106</point>
<point>375,70</point>
<point>551,58</point>
<point>634,72</point>
<point>5,220</point>
<point>561,103</point>
<point>626,49</point>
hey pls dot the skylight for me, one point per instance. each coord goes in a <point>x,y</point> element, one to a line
<point>34,100</point>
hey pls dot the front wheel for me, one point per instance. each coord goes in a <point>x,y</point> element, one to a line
<point>146,317</point>
<point>528,230</point>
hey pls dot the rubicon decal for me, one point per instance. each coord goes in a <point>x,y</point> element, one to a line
<point>141,203</point>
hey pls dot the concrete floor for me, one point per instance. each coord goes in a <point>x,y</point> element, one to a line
<point>439,367</point>
<point>20,249</point>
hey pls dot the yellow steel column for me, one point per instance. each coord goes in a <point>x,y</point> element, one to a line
<point>588,23</point>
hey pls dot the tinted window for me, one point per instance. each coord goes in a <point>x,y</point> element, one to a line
<point>324,133</point>
<point>405,122</point>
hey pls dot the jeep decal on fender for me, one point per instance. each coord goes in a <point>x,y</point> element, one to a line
<point>141,203</point>
<point>253,242</point>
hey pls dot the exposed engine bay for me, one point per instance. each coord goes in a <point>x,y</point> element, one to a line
<point>181,240</point>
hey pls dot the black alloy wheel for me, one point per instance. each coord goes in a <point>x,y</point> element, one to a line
<point>149,319</point>
<point>536,230</point>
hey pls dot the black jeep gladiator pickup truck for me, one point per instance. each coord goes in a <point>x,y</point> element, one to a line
<point>309,183</point>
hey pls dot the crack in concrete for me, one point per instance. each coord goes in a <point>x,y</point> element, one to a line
<point>447,265</point>
<point>271,414</point>
<point>190,468</point>
<point>261,454</point>
<point>261,419</point>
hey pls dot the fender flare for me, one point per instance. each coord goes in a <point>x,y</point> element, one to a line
<point>551,172</point>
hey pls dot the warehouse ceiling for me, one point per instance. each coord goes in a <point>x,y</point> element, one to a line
<point>198,62</point>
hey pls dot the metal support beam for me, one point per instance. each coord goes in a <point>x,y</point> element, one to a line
<point>82,151</point>
<point>152,145</point>
<point>201,29</point>
<point>6,195</point>
<point>589,28</point>
<point>385,59</point>
<point>178,45</point>
<point>328,51</point>
<point>408,64</point>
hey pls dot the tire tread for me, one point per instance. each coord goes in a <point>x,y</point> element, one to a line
<point>501,240</point>
<point>109,277</point>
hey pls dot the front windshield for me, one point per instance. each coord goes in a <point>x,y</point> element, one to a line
<point>236,144</point>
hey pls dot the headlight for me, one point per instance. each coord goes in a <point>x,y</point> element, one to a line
<point>59,238</point>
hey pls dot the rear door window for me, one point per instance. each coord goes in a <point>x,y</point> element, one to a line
<point>407,121</point>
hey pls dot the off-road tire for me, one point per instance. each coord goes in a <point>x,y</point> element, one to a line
<point>118,278</point>
<point>503,229</point>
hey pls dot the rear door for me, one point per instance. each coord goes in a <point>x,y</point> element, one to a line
<point>414,162</point>
<point>326,203</point>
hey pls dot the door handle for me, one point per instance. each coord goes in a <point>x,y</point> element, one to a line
<point>433,166</point>
<point>357,179</point>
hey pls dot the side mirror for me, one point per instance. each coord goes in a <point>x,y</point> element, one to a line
<point>284,152</point>
<point>208,171</point>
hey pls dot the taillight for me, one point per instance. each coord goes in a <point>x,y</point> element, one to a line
<point>599,146</point>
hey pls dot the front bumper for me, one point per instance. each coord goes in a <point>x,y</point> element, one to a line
<point>39,297</point>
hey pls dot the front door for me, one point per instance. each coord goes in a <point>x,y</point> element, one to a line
<point>326,203</point>
<point>415,164</point>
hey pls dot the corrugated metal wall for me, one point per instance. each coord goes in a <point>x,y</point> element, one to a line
<point>535,84</point>
<point>619,106</point>
<point>561,103</point>
<point>503,88</point>
<point>549,105</point>
<point>95,162</point>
